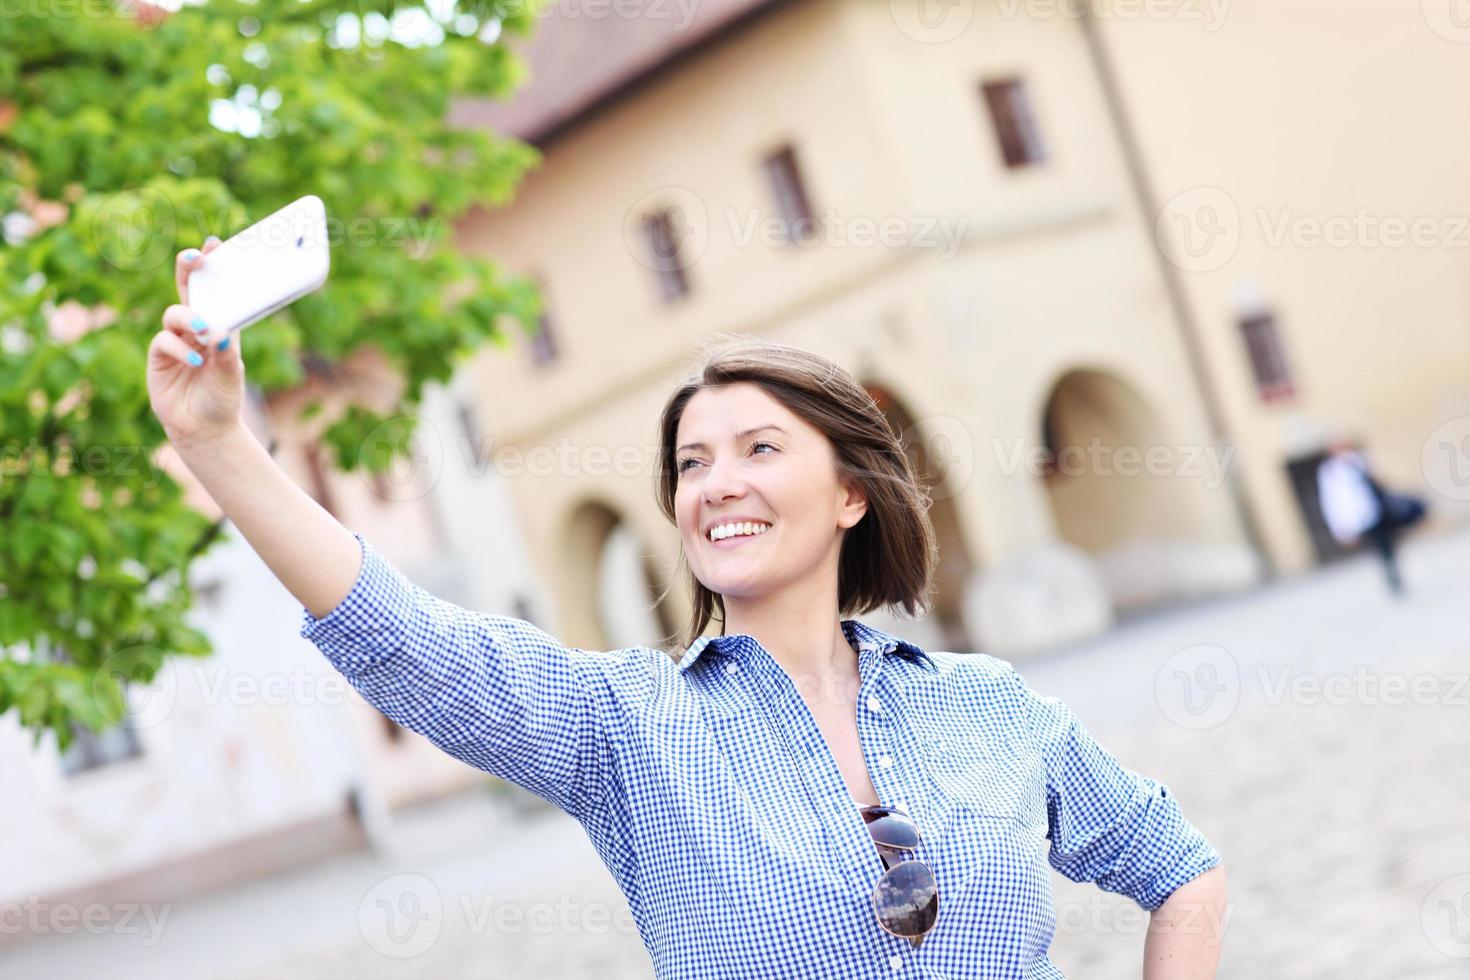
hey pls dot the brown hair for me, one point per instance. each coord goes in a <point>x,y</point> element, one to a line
<point>888,558</point>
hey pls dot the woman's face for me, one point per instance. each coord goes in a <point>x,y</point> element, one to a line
<point>743,457</point>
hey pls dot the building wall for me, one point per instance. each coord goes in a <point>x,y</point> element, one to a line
<point>1336,119</point>
<point>1010,278</point>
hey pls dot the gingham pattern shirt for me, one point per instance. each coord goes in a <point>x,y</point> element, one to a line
<point>710,794</point>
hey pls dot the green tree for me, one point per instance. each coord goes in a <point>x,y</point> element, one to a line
<point>129,134</point>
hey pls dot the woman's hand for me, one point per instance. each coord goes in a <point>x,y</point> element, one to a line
<point>196,379</point>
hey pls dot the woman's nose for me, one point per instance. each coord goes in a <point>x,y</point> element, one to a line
<point>722,483</point>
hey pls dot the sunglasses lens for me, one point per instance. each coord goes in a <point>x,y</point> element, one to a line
<point>892,828</point>
<point>907,899</point>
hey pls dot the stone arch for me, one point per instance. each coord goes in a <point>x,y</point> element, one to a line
<point>613,583</point>
<point>1118,489</point>
<point>946,626</point>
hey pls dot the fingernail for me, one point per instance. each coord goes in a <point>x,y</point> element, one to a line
<point>223,344</point>
<point>212,240</point>
<point>198,324</point>
<point>190,254</point>
<point>195,359</point>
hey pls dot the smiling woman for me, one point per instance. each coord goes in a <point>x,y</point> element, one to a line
<point>800,796</point>
<point>781,437</point>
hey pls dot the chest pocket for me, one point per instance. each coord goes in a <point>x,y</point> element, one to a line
<point>990,775</point>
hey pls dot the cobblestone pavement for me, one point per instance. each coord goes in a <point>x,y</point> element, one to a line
<point>1317,731</point>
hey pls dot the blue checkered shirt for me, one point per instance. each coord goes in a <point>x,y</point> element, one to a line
<point>710,794</point>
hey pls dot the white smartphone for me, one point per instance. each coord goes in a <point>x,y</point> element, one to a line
<point>264,268</point>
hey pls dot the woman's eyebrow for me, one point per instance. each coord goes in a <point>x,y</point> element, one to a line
<point>738,437</point>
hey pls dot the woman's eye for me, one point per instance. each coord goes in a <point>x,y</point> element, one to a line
<point>684,464</point>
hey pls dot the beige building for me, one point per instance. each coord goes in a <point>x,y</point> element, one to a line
<point>1119,279</point>
<point>1073,257</point>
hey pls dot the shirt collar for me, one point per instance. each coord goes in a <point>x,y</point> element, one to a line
<point>863,637</point>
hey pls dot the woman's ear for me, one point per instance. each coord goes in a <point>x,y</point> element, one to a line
<point>854,505</point>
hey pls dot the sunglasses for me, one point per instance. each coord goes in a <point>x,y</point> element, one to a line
<point>906,898</point>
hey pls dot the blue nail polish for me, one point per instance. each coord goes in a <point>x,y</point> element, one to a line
<point>211,239</point>
<point>198,324</point>
<point>190,254</point>
<point>224,344</point>
<point>195,359</point>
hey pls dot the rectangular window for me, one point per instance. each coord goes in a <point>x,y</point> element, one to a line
<point>94,750</point>
<point>795,208</point>
<point>663,245</point>
<point>474,436</point>
<point>543,342</point>
<point>1015,126</point>
<point>1268,360</point>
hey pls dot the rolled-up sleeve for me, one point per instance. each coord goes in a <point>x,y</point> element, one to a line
<point>1107,824</point>
<point>493,691</point>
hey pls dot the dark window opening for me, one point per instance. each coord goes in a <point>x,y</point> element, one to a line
<point>1015,125</point>
<point>664,232</point>
<point>469,427</point>
<point>1268,359</point>
<point>543,340</point>
<point>797,221</point>
<point>93,750</point>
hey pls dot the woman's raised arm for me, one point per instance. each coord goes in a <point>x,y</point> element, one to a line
<point>493,691</point>
<point>196,384</point>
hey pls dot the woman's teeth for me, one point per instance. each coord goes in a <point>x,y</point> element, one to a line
<point>721,531</point>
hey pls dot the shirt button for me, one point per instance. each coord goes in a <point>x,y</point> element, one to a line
<point>873,704</point>
<point>886,761</point>
<point>896,961</point>
<point>732,668</point>
<point>902,806</point>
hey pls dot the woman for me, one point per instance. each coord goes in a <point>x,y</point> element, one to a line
<point>802,796</point>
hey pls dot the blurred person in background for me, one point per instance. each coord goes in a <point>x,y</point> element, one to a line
<point>1354,504</point>
<point>800,796</point>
